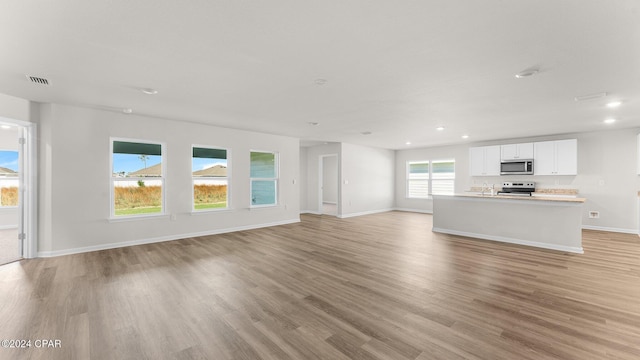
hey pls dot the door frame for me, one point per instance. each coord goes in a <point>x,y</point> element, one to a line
<point>28,204</point>
<point>321,182</point>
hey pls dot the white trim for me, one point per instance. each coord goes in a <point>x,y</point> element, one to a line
<point>310,212</point>
<point>414,210</point>
<point>610,229</point>
<point>150,216</point>
<point>160,239</point>
<point>9,227</point>
<point>510,240</point>
<point>344,216</point>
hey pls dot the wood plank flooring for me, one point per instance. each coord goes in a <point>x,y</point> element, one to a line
<point>372,287</point>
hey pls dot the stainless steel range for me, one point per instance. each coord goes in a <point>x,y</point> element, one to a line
<point>517,188</point>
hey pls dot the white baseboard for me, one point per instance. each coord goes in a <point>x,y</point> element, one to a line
<point>344,216</point>
<point>610,229</point>
<point>310,212</point>
<point>7,227</point>
<point>330,202</point>
<point>159,239</point>
<point>414,210</point>
<point>577,250</point>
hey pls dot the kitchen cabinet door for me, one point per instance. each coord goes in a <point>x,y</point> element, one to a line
<point>556,157</point>
<point>544,160</point>
<point>567,157</point>
<point>484,160</point>
<point>516,151</point>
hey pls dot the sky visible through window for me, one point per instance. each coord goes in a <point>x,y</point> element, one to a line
<point>205,163</point>
<point>9,160</point>
<point>128,163</point>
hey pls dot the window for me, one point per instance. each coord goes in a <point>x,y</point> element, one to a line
<point>425,178</point>
<point>137,178</point>
<point>443,176</point>
<point>9,180</point>
<point>209,169</point>
<point>264,178</point>
<point>418,179</point>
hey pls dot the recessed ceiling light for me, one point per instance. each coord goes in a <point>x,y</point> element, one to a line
<point>313,123</point>
<point>590,96</point>
<point>614,104</point>
<point>320,82</point>
<point>366,133</point>
<point>6,127</point>
<point>527,73</point>
<point>609,121</point>
<point>149,91</point>
<point>408,143</point>
<point>465,136</point>
<point>127,110</point>
<point>440,128</point>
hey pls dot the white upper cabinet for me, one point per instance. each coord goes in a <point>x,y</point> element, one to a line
<point>516,151</point>
<point>558,157</point>
<point>485,160</point>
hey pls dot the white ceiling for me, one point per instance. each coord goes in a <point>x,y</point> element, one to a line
<point>397,69</point>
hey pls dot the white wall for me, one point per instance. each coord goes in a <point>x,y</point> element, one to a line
<point>330,179</point>
<point>14,108</point>
<point>75,190</point>
<point>606,176</point>
<point>367,180</point>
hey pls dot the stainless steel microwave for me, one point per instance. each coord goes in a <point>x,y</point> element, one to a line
<point>516,167</point>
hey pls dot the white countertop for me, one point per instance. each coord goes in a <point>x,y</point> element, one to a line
<point>537,197</point>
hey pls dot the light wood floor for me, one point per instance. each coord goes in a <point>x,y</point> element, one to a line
<point>9,246</point>
<point>372,287</point>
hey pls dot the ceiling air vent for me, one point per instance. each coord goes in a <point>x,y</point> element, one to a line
<point>38,80</point>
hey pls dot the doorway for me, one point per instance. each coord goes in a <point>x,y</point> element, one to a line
<point>329,183</point>
<point>14,166</point>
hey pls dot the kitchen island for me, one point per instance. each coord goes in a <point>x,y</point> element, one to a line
<point>545,222</point>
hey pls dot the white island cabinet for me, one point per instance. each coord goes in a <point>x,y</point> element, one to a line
<point>550,223</point>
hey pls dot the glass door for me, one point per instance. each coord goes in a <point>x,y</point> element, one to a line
<point>11,206</point>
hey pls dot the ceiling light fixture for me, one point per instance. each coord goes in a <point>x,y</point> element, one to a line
<point>366,133</point>
<point>313,123</point>
<point>527,73</point>
<point>614,104</point>
<point>149,91</point>
<point>408,143</point>
<point>465,136</point>
<point>609,121</point>
<point>6,127</point>
<point>127,110</point>
<point>440,128</point>
<point>320,82</point>
<point>590,96</point>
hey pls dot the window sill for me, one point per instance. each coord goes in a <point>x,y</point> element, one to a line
<point>211,211</point>
<point>137,217</point>
<point>259,207</point>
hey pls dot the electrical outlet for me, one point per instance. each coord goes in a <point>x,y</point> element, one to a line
<point>594,214</point>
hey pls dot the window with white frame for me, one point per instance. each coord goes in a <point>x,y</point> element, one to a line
<point>137,178</point>
<point>418,179</point>
<point>426,178</point>
<point>443,177</point>
<point>210,172</point>
<point>264,178</point>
